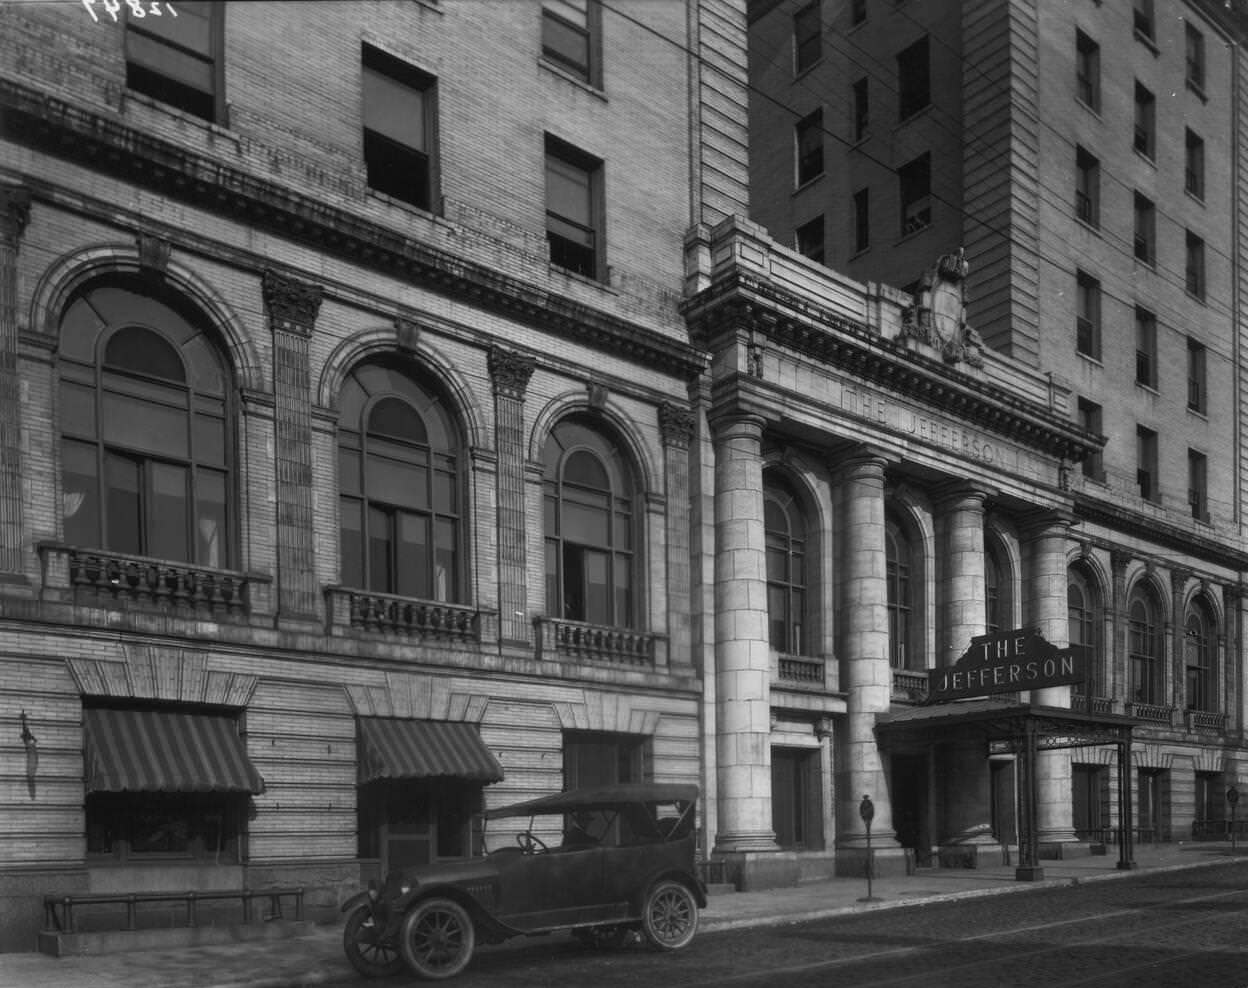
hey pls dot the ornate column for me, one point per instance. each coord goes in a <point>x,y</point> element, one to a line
<point>292,307</point>
<point>968,784</point>
<point>866,675</point>
<point>510,373</point>
<point>1232,658</point>
<point>1045,540</point>
<point>14,213</point>
<point>742,651</point>
<point>1175,673</point>
<point>676,425</point>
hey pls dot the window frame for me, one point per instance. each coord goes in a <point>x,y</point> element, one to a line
<point>1144,141</point>
<point>805,239</point>
<point>1197,382</point>
<point>861,206</point>
<point>1087,71</point>
<point>1145,657</point>
<point>1087,315</point>
<point>902,569</point>
<point>914,78</point>
<point>794,591</point>
<point>1198,484</point>
<point>588,72</point>
<point>1194,164</point>
<point>807,37</point>
<point>215,111</point>
<point>1200,659</point>
<point>1147,477</point>
<point>1144,241</point>
<point>861,94</point>
<point>1091,417</point>
<point>591,167</point>
<point>916,209</point>
<point>1195,62</point>
<point>1087,187</point>
<point>1145,348</point>
<point>808,144</point>
<point>1194,272</point>
<point>1143,22</point>
<point>422,195</point>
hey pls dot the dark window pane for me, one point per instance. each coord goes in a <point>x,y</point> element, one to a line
<point>396,170</point>
<point>597,588</point>
<point>396,419</point>
<point>168,514</point>
<point>81,494</point>
<point>124,515</point>
<point>78,410</point>
<point>210,440</point>
<point>574,607</point>
<point>566,43</point>
<point>412,556</point>
<point>210,519</point>
<point>142,425</point>
<point>380,549</point>
<point>351,543</point>
<point>587,470</point>
<point>585,524</point>
<point>553,600</point>
<point>623,591</point>
<point>144,352</point>
<point>444,493</point>
<point>445,577</point>
<point>397,483</point>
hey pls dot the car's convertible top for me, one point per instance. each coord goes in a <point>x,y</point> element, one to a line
<point>599,797</point>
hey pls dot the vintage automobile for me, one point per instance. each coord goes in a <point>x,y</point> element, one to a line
<point>607,864</point>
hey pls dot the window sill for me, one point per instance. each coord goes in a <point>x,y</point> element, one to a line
<point>1097,361</point>
<point>799,74</point>
<point>1199,299</point>
<point>1094,110</point>
<point>600,283</point>
<point>913,234</point>
<point>923,111</point>
<point>1144,156</point>
<point>809,183</point>
<point>1151,389</point>
<point>1094,228</point>
<point>558,70</point>
<point>1200,412</point>
<point>131,97</point>
<point>403,204</point>
<point>1147,42</point>
<point>1197,91</point>
<point>1198,198</point>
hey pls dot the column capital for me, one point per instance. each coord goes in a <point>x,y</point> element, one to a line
<point>14,212</point>
<point>1178,579</point>
<point>292,305</point>
<point>863,463</point>
<point>510,371</point>
<point>1046,523</point>
<point>733,424</point>
<point>957,493</point>
<point>1119,559</point>
<point>676,424</point>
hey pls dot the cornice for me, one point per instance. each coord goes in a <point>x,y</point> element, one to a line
<point>793,322</point>
<point>103,143</point>
<point>1152,530</point>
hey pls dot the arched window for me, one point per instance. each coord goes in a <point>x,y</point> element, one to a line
<point>1144,648</point>
<point>1199,642</point>
<point>399,497</point>
<point>590,530</point>
<point>899,563</point>
<point>147,454</point>
<point>1084,621</point>
<point>786,567</point>
<point>997,599</point>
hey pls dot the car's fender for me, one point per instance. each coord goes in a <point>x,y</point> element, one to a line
<point>687,879</point>
<point>357,900</point>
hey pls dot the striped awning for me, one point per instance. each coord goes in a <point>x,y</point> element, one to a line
<point>165,751</point>
<point>394,748</point>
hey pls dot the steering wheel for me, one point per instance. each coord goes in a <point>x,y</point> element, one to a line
<point>530,843</point>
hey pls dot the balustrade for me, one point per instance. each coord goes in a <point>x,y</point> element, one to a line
<point>406,616</point>
<point>581,640</point>
<point>909,685</point>
<point>1151,712</point>
<point>1205,720</point>
<point>800,670</point>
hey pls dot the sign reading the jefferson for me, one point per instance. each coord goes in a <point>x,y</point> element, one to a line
<point>1006,662</point>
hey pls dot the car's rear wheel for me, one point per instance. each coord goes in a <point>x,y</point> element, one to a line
<point>368,952</point>
<point>669,918</point>
<point>437,939</point>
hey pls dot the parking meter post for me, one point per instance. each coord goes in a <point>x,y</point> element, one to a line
<point>1232,797</point>
<point>866,810</point>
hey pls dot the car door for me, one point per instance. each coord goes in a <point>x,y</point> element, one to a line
<point>554,888</point>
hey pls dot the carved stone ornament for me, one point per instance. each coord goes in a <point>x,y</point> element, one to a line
<point>937,316</point>
<point>292,303</point>
<point>597,395</point>
<point>153,253</point>
<point>676,424</point>
<point>14,211</point>
<point>510,371</point>
<point>406,333</point>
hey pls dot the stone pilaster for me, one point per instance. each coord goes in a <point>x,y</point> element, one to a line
<point>1231,669</point>
<point>510,373</point>
<point>1045,543</point>
<point>865,673</point>
<point>676,426</point>
<point>968,789</point>
<point>292,307</point>
<point>742,652</point>
<point>14,213</point>
<point>1118,676</point>
<point>1175,675</point>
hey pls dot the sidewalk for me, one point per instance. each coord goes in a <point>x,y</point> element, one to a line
<point>318,958</point>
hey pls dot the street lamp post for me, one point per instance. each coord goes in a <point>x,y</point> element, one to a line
<point>866,810</point>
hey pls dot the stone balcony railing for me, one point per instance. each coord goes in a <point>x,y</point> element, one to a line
<point>1205,720</point>
<point>1092,704</point>
<point>98,576</point>
<point>803,672</point>
<point>407,617</point>
<point>601,643</point>
<point>909,685</point>
<point>1152,712</point>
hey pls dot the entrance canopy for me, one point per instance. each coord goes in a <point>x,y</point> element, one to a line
<point>397,748</point>
<point>1022,729</point>
<point>165,751</point>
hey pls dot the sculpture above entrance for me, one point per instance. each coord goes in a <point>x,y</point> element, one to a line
<point>937,316</point>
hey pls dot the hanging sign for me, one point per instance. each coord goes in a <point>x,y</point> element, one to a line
<point>1005,663</point>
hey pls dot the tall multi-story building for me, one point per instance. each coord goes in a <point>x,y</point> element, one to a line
<point>1078,170</point>
<point>346,426</point>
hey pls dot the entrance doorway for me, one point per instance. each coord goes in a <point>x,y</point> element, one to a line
<point>796,804</point>
<point>909,797</point>
<point>1004,802</point>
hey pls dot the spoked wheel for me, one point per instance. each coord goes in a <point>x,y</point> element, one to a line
<point>603,937</point>
<point>670,917</point>
<point>368,952</point>
<point>437,939</point>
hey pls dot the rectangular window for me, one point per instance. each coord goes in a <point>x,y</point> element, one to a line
<point>1195,60</point>
<point>1091,419</point>
<point>809,139</point>
<point>1145,242</point>
<point>914,85</point>
<point>1194,269</point>
<point>571,37</point>
<point>1146,463</point>
<point>1145,140</point>
<point>399,114</point>
<point>915,181</point>
<point>862,117</point>
<point>807,36</point>
<point>1194,165</point>
<point>1145,347</point>
<point>178,60</point>
<point>1196,389</point>
<point>1088,316</point>
<point>862,220</point>
<point>1087,70</point>
<point>1143,21</point>
<point>1197,485</point>
<point>574,209</point>
<point>810,239</point>
<point>1087,187</point>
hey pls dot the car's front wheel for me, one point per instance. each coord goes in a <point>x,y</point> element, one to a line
<point>669,918</point>
<point>369,953</point>
<point>437,939</point>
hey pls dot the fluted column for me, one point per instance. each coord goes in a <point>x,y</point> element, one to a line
<point>1045,544</point>
<point>866,676</point>
<point>292,307</point>
<point>510,373</point>
<point>968,789</point>
<point>742,652</point>
<point>14,213</point>
<point>676,425</point>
